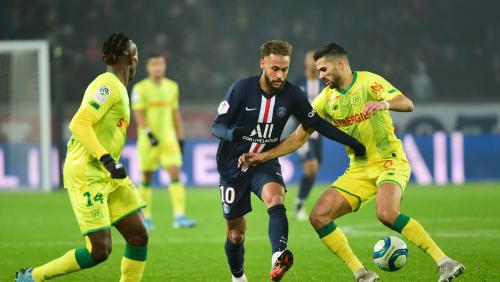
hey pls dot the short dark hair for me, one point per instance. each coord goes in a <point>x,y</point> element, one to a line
<point>277,47</point>
<point>330,49</point>
<point>116,45</point>
<point>154,55</point>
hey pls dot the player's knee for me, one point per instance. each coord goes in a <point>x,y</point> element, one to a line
<point>236,236</point>
<point>318,219</point>
<point>387,216</point>
<point>274,200</point>
<point>139,238</point>
<point>101,250</point>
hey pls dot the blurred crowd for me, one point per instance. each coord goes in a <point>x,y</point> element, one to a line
<point>431,50</point>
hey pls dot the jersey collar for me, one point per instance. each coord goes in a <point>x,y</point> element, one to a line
<point>343,92</point>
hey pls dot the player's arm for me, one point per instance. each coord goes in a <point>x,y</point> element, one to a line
<point>287,146</point>
<point>223,125</point>
<point>82,128</point>
<point>309,118</point>
<point>179,131</point>
<point>387,97</point>
<point>138,109</point>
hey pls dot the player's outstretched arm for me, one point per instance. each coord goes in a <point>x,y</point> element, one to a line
<point>399,103</point>
<point>287,146</point>
<point>331,132</point>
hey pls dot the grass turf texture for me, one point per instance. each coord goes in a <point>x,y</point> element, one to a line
<point>463,220</point>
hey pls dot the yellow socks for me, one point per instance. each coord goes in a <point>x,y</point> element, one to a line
<point>336,241</point>
<point>133,263</point>
<point>415,233</point>
<point>178,197</point>
<point>71,261</point>
<point>146,193</point>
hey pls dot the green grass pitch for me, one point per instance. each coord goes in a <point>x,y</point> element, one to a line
<point>464,220</point>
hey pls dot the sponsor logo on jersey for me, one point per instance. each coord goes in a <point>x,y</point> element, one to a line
<point>262,134</point>
<point>311,113</point>
<point>350,120</point>
<point>250,109</point>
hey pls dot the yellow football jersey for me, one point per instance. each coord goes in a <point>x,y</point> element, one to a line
<point>106,104</point>
<point>158,100</point>
<point>344,109</point>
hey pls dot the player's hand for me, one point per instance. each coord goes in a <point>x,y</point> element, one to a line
<point>373,106</point>
<point>152,138</point>
<point>116,169</point>
<point>250,159</point>
<point>238,133</point>
<point>181,146</point>
<point>359,149</point>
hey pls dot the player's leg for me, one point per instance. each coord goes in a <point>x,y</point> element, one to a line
<point>148,164</point>
<point>125,207</point>
<point>97,250</point>
<point>334,203</point>
<point>135,234</point>
<point>235,201</point>
<point>273,196</point>
<point>178,199</point>
<point>331,205</point>
<point>90,206</point>
<point>234,247</point>
<point>388,212</point>
<point>146,193</point>
<point>311,167</point>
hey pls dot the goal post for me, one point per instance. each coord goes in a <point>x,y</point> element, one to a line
<point>25,97</point>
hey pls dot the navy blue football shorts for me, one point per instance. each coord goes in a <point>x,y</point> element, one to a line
<point>236,193</point>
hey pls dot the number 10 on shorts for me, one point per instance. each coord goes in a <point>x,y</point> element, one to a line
<point>227,194</point>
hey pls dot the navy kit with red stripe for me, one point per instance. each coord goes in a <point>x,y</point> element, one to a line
<point>260,118</point>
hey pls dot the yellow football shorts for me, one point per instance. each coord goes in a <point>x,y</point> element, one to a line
<point>359,184</point>
<point>101,204</point>
<point>167,153</point>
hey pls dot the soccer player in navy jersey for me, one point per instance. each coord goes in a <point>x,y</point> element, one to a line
<point>251,118</point>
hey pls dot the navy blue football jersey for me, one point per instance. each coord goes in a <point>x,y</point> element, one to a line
<point>261,116</point>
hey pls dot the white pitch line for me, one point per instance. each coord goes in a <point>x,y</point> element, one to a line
<point>351,231</point>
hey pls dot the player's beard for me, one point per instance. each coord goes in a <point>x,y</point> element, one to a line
<point>271,86</point>
<point>334,83</point>
<point>131,73</point>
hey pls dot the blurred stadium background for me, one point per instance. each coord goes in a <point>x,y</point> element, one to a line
<point>444,55</point>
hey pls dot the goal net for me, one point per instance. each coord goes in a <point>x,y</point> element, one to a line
<point>26,159</point>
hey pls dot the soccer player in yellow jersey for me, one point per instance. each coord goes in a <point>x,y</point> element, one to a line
<point>100,192</point>
<point>155,101</point>
<point>358,102</point>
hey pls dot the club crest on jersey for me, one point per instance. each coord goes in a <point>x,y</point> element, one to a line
<point>281,112</point>
<point>102,94</point>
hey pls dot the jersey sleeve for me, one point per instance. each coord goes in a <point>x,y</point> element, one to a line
<point>99,97</point>
<point>302,109</point>
<point>221,126</point>
<point>380,89</point>
<point>138,98</point>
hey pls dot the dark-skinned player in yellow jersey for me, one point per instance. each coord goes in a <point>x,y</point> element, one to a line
<point>101,193</point>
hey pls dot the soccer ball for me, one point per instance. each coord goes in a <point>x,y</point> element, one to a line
<point>390,253</point>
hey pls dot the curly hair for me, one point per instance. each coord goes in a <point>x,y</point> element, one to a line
<point>277,47</point>
<point>116,45</point>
